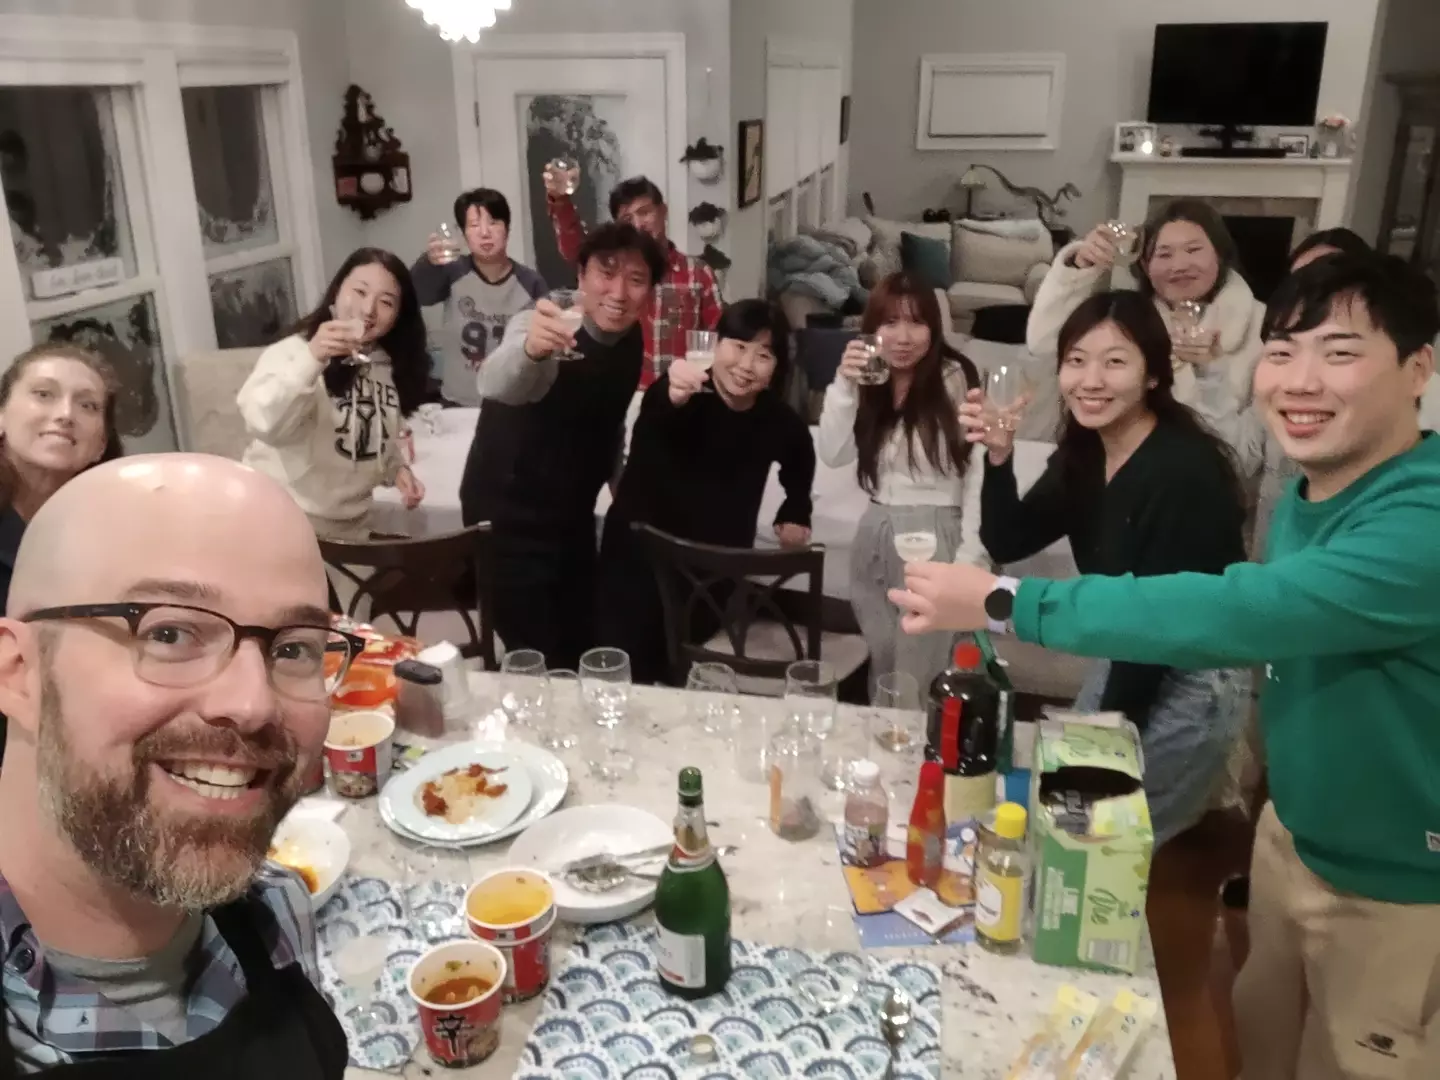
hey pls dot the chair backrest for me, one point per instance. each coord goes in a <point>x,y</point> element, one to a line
<point>206,384</point>
<point>405,578</point>
<point>701,584</point>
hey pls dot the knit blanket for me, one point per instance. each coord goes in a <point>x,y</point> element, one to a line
<point>809,265</point>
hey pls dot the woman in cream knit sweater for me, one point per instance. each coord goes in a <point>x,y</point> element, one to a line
<point>1185,253</point>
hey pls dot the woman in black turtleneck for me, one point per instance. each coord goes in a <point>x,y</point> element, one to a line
<point>699,462</point>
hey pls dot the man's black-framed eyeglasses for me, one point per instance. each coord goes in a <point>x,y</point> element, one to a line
<point>177,645</point>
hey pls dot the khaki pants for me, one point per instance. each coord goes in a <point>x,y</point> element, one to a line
<point>1336,987</point>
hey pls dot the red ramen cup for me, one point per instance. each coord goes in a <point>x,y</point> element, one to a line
<point>359,750</point>
<point>465,1031</point>
<point>515,911</point>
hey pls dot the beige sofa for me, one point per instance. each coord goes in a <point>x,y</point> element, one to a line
<point>205,385</point>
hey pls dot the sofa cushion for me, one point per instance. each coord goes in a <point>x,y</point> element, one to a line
<point>968,296</point>
<point>927,259</point>
<point>856,234</point>
<point>886,234</point>
<point>982,254</point>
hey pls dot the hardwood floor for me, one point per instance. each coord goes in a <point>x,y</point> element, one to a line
<point>1192,951</point>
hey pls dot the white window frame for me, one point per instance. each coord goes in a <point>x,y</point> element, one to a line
<point>153,61</point>
<point>783,207</point>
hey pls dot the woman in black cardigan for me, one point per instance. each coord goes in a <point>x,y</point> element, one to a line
<point>1139,485</point>
<point>698,465</point>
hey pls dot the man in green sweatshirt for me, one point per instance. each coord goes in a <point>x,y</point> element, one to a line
<point>1343,977</point>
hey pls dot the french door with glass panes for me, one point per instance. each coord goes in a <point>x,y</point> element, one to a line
<point>157,199</point>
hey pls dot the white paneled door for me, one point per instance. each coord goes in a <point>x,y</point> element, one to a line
<point>608,113</point>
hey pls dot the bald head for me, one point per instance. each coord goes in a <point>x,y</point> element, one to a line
<point>164,517</point>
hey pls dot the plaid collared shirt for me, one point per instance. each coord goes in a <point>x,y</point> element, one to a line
<point>686,299</point>
<point>56,1019</point>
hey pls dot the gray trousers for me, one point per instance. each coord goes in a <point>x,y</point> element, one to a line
<point>1187,738</point>
<point>875,569</point>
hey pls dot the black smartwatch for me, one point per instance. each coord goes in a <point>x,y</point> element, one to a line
<point>1000,604</point>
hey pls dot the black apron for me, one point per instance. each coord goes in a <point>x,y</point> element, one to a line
<point>281,1028</point>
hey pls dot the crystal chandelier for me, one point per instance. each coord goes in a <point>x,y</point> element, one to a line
<point>460,20</point>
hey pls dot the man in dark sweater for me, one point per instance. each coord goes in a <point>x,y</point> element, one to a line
<point>480,292</point>
<point>550,435</point>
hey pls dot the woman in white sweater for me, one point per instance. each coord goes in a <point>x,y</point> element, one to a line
<point>911,457</point>
<point>1184,253</point>
<point>325,406</point>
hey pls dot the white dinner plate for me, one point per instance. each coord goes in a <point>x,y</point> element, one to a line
<point>549,779</point>
<point>491,814</point>
<point>320,845</point>
<point>594,830</point>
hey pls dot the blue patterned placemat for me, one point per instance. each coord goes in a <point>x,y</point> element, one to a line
<point>370,907</point>
<point>605,1017</point>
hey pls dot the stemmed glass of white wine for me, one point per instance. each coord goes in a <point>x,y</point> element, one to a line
<point>915,538</point>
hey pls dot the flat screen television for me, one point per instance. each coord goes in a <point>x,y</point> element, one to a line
<point>1237,74</point>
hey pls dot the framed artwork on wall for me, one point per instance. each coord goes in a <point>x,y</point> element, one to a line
<point>844,119</point>
<point>752,162</point>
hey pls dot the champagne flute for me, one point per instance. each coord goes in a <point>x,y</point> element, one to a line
<point>876,370</point>
<point>348,312</point>
<point>914,528</point>
<point>700,350</point>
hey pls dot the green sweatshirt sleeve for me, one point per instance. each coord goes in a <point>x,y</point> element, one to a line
<point>1371,587</point>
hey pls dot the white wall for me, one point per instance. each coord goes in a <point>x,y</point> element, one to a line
<point>407,69</point>
<point>1409,41</point>
<point>823,24</point>
<point>1107,46</point>
<point>324,72</point>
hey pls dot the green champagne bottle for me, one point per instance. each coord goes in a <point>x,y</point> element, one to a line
<point>692,904</point>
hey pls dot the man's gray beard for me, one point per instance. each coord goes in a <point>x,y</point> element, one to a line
<point>192,864</point>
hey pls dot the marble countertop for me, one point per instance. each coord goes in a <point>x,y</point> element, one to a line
<point>991,1004</point>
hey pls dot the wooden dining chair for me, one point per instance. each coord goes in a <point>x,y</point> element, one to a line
<point>763,626</point>
<point>403,579</point>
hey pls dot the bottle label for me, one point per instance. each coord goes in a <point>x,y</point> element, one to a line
<point>998,901</point>
<point>865,844</point>
<point>681,958</point>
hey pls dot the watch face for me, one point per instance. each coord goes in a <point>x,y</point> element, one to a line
<point>999,604</point>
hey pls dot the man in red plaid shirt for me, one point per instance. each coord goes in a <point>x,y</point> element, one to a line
<point>686,298</point>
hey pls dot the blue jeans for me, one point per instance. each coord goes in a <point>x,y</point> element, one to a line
<point>1186,737</point>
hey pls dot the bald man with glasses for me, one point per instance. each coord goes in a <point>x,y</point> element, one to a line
<point>166,666</point>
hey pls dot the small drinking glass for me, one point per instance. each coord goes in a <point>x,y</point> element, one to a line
<point>876,370</point>
<point>567,169</point>
<point>611,759</point>
<point>430,415</point>
<point>1006,388</point>
<point>453,247</point>
<point>524,687</point>
<point>714,691</point>
<point>349,313</point>
<point>558,730</point>
<point>605,685</point>
<point>836,968</point>
<point>1126,239</point>
<point>793,764</point>
<point>360,963</point>
<point>811,694</point>
<point>757,722</point>
<point>572,312</point>
<point>914,528</point>
<point>669,316</point>
<point>895,721</point>
<point>700,349</point>
<point>1186,319</point>
<point>431,874</point>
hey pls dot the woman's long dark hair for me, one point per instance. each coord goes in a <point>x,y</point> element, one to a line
<point>928,410</point>
<point>1079,454</point>
<point>1197,213</point>
<point>745,320</point>
<point>61,351</point>
<point>405,344</point>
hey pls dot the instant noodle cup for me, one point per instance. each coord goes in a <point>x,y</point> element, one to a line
<point>359,750</point>
<point>457,991</point>
<point>515,911</point>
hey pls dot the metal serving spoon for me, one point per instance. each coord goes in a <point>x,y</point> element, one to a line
<point>895,1014</point>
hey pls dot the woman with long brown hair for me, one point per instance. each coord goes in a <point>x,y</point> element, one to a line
<point>1139,485</point>
<point>905,440</point>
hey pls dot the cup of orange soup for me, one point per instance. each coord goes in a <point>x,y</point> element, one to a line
<point>358,750</point>
<point>515,911</point>
<point>457,990</point>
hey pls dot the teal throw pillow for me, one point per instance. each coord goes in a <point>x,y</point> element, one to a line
<point>926,258</point>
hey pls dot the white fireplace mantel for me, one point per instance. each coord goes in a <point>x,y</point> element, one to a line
<point>1143,178</point>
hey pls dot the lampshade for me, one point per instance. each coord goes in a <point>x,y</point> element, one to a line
<point>973,178</point>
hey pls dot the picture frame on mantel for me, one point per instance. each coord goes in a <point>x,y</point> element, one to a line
<point>1295,146</point>
<point>751,173</point>
<point>1137,139</point>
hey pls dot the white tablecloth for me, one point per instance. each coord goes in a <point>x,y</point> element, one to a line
<point>839,501</point>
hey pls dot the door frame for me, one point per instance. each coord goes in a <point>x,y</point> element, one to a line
<point>669,47</point>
